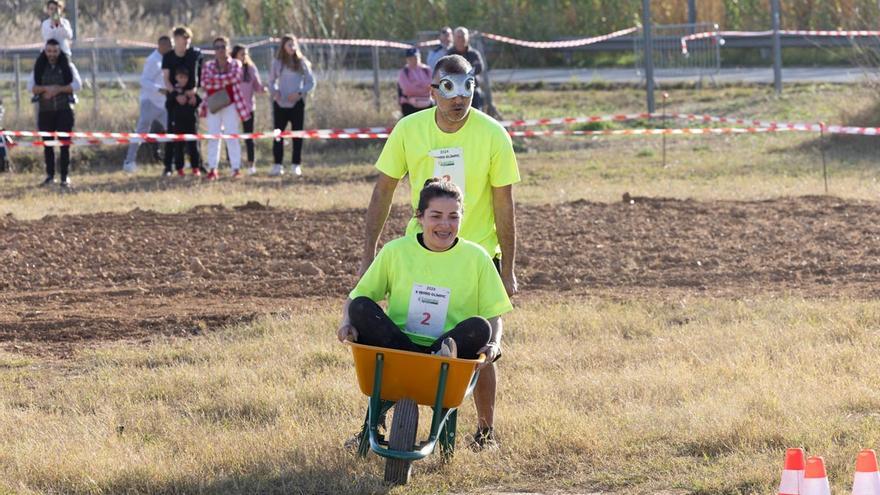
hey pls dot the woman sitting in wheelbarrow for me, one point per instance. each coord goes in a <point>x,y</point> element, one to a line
<point>442,291</point>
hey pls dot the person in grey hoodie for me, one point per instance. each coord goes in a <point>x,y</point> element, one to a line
<point>290,79</point>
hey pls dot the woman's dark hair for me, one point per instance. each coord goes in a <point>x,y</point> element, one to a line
<point>437,187</point>
<point>247,64</point>
<point>295,61</point>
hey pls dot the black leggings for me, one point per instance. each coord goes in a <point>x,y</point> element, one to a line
<point>296,118</point>
<point>376,329</point>
<point>56,121</point>
<point>248,126</point>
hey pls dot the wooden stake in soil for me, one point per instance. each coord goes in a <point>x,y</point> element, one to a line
<point>822,149</point>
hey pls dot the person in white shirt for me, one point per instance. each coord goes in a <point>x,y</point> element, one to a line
<point>152,103</point>
<point>56,27</point>
<point>442,49</point>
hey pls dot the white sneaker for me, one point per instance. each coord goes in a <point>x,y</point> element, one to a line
<point>277,170</point>
<point>129,167</point>
<point>296,170</point>
<point>252,170</point>
<point>447,348</point>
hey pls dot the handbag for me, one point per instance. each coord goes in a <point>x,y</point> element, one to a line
<point>218,101</point>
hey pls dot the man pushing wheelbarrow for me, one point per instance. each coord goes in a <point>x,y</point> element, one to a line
<point>445,297</point>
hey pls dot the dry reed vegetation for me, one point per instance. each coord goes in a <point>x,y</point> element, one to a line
<point>700,395</point>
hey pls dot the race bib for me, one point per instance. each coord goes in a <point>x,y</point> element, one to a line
<point>449,164</point>
<point>427,310</point>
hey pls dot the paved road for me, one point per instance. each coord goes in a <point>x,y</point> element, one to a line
<point>732,75</point>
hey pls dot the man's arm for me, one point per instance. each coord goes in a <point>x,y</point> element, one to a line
<point>505,226</point>
<point>493,347</point>
<point>377,215</point>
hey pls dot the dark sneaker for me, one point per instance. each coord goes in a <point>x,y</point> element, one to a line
<point>47,182</point>
<point>167,173</point>
<point>65,184</point>
<point>484,439</point>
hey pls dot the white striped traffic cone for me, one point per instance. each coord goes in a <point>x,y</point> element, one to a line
<point>867,478</point>
<point>792,472</point>
<point>815,478</point>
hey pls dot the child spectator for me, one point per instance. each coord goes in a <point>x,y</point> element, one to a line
<point>183,108</point>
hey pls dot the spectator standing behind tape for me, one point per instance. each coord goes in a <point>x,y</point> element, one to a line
<point>183,118</point>
<point>4,159</point>
<point>442,49</point>
<point>414,84</point>
<point>461,46</point>
<point>250,85</point>
<point>183,55</point>
<point>55,81</point>
<point>290,79</point>
<point>224,106</point>
<point>152,101</point>
<point>56,27</point>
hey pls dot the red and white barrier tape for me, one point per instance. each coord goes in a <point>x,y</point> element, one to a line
<point>559,44</point>
<point>784,32</point>
<point>753,126</point>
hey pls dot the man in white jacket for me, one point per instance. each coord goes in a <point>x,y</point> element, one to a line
<point>152,108</point>
<point>56,27</point>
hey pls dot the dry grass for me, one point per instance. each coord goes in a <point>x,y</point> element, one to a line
<point>700,395</point>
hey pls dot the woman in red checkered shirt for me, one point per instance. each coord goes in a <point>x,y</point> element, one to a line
<point>223,74</point>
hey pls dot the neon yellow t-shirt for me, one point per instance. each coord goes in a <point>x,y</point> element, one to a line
<point>430,292</point>
<point>477,157</point>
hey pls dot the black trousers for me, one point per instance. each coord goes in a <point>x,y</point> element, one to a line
<point>182,124</point>
<point>56,121</point>
<point>376,329</point>
<point>248,126</point>
<point>296,118</point>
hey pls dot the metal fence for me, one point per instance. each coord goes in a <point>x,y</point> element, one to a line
<point>703,57</point>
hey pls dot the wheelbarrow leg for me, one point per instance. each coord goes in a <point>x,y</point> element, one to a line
<point>447,436</point>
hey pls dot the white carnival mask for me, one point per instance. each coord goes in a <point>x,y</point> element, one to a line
<point>452,85</point>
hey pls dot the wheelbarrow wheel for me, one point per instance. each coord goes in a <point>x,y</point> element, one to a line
<point>404,424</point>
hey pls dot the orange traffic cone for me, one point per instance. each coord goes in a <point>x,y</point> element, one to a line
<point>867,478</point>
<point>792,473</point>
<point>815,479</point>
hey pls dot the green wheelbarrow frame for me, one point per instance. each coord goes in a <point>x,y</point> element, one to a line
<point>443,422</point>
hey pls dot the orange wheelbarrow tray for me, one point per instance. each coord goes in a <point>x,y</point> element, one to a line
<point>388,376</point>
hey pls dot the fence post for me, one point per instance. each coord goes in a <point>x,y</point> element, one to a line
<point>649,54</point>
<point>777,48</point>
<point>692,15</point>
<point>376,94</point>
<point>94,82</point>
<point>17,91</point>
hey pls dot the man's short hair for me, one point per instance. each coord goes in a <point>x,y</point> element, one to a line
<point>462,30</point>
<point>445,29</point>
<point>164,39</point>
<point>182,31</point>
<point>52,42</point>
<point>58,3</point>
<point>452,64</point>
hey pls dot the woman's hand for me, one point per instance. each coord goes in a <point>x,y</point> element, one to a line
<point>347,331</point>
<point>491,350</point>
<point>276,98</point>
<point>294,97</point>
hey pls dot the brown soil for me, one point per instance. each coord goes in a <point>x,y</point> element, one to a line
<point>72,280</point>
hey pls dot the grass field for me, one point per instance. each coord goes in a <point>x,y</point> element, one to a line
<point>667,391</point>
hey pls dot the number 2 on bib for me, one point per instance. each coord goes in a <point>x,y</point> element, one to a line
<point>428,306</point>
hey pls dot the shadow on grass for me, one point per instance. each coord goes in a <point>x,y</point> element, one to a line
<point>343,476</point>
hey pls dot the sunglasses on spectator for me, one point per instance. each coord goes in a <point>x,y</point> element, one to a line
<point>219,47</point>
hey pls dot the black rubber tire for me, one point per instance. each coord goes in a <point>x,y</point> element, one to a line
<point>404,424</point>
